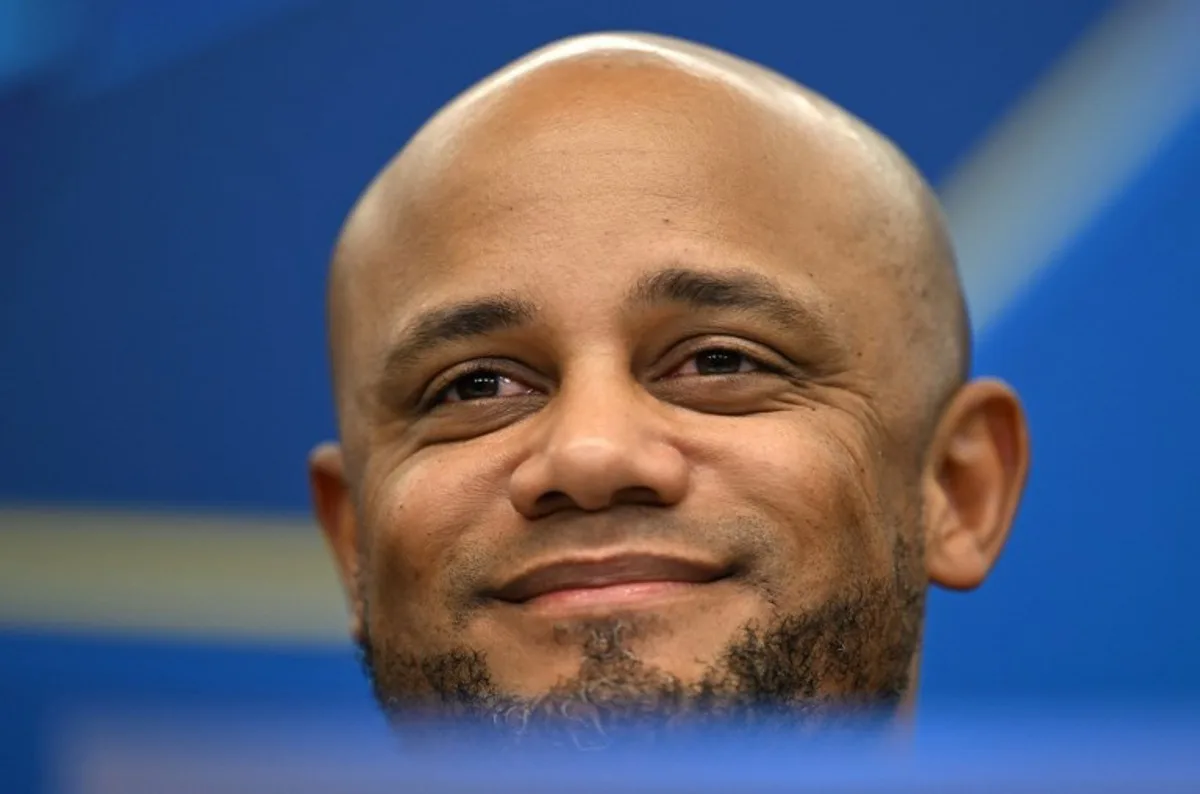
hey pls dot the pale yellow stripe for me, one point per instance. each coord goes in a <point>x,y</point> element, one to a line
<point>219,577</point>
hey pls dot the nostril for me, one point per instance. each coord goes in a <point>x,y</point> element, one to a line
<point>638,495</point>
<point>552,501</point>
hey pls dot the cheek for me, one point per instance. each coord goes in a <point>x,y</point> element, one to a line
<point>816,482</point>
<point>417,516</point>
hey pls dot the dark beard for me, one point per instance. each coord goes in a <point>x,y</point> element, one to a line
<point>838,665</point>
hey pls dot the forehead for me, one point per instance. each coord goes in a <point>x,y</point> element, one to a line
<point>575,186</point>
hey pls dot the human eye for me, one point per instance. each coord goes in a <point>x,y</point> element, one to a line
<point>718,361</point>
<point>475,384</point>
<point>722,376</point>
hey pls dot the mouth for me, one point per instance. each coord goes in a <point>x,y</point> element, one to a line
<point>617,581</point>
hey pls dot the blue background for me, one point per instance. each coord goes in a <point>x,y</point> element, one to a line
<point>173,181</point>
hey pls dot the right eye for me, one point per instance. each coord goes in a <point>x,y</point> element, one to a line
<point>481,384</point>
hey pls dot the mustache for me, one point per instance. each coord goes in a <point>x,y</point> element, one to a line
<point>740,542</point>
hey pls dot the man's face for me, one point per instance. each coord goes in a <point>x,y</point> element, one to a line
<point>625,417</point>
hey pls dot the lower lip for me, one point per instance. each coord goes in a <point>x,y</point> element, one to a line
<point>630,594</point>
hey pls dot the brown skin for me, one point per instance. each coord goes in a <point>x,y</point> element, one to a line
<point>843,437</point>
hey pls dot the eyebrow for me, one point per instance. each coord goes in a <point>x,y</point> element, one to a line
<point>453,323</point>
<point>741,290</point>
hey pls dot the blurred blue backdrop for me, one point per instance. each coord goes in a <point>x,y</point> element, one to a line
<point>173,176</point>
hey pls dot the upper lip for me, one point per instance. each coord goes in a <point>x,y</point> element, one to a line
<point>574,574</point>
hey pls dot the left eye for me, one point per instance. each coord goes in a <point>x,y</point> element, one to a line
<point>718,361</point>
<point>481,385</point>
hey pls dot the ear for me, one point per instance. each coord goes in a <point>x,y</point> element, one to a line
<point>333,504</point>
<point>975,472</point>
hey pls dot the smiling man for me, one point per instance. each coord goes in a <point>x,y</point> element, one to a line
<point>651,377</point>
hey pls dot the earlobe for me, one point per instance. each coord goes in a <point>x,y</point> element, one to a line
<point>333,505</point>
<point>976,471</point>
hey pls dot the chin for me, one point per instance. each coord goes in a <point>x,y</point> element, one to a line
<point>719,652</point>
<point>682,642</point>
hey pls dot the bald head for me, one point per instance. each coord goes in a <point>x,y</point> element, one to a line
<point>649,368</point>
<point>679,108</point>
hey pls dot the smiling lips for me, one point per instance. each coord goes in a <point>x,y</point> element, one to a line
<point>610,582</point>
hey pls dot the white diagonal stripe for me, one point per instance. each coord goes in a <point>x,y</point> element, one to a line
<point>1080,136</point>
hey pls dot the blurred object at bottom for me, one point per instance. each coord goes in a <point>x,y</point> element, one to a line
<point>1012,750</point>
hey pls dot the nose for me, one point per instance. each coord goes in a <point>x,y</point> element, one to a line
<point>602,445</point>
